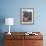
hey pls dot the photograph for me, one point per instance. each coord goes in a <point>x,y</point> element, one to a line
<point>27,15</point>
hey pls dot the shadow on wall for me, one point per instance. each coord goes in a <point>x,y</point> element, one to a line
<point>2,21</point>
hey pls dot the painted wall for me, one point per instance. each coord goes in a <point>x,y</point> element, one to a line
<point>11,8</point>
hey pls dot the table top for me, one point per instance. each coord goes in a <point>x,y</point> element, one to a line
<point>22,35</point>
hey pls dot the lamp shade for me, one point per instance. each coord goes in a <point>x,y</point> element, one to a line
<point>9,21</point>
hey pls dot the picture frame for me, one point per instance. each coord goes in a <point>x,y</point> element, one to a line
<point>27,15</point>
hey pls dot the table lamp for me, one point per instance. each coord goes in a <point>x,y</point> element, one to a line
<point>9,21</point>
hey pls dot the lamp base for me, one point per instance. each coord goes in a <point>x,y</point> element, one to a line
<point>9,33</point>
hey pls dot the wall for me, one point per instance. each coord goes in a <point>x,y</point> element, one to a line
<point>11,8</point>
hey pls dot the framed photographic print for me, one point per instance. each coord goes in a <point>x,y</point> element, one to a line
<point>27,15</point>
